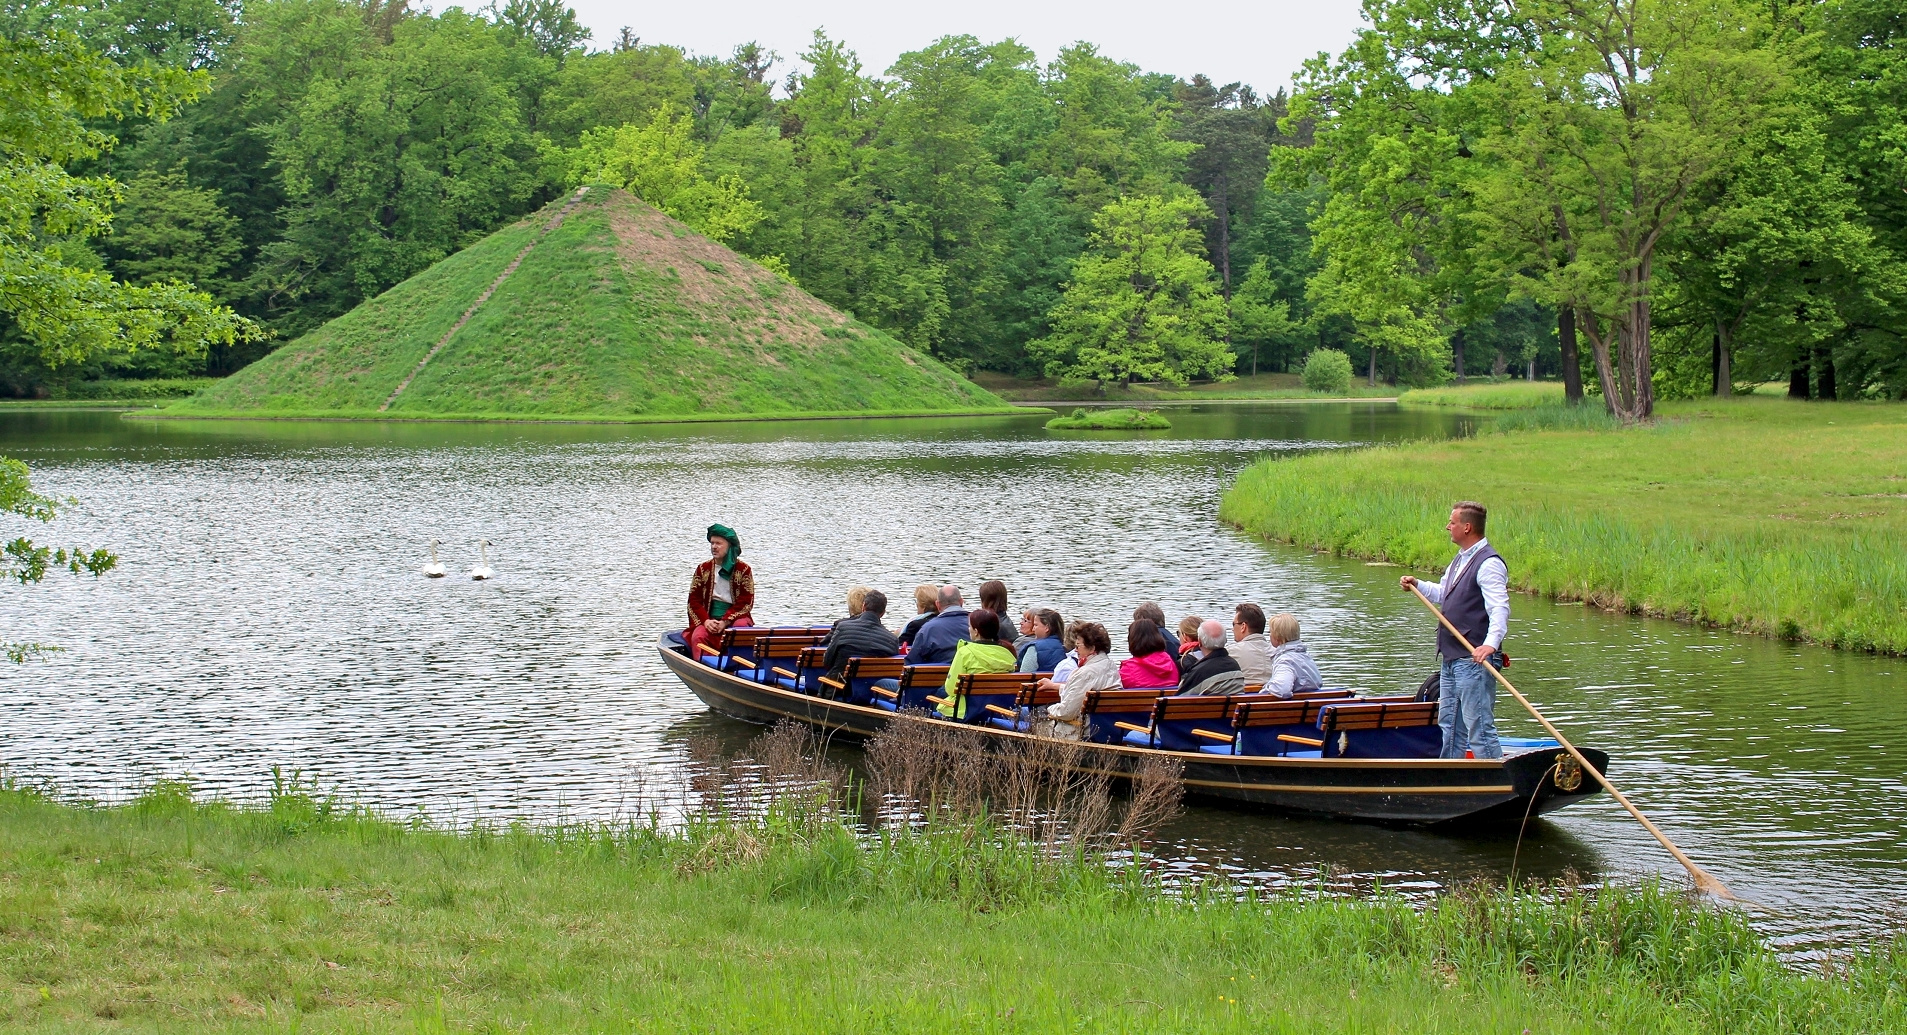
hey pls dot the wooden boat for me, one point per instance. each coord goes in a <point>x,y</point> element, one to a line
<point>1529,781</point>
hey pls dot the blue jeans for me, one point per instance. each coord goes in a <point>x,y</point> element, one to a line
<point>1467,710</point>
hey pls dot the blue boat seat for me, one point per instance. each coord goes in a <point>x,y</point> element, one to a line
<point>1108,715</point>
<point>1388,729</point>
<point>858,675</point>
<point>917,683</point>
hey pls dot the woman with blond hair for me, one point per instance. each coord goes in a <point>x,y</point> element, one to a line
<point>1292,669</point>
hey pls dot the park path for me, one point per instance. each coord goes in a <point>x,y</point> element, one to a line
<point>485,297</point>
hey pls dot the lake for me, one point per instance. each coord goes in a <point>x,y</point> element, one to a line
<point>268,611</point>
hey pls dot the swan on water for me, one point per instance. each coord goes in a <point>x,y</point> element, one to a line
<point>482,570</point>
<point>435,569</point>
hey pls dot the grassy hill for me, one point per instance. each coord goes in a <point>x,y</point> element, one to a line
<point>617,311</point>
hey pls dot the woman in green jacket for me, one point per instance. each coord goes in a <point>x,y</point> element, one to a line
<point>981,651</point>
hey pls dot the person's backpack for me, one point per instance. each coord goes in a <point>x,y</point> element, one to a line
<point>1430,689</point>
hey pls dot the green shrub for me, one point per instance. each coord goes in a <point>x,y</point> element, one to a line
<point>1327,370</point>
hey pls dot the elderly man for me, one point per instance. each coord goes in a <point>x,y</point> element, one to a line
<point>1249,645</point>
<point>937,640</point>
<point>1217,672</point>
<point>1475,594</point>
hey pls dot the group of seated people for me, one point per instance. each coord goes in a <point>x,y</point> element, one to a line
<point>1076,658</point>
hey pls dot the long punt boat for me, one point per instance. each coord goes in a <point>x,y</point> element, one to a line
<point>1534,777</point>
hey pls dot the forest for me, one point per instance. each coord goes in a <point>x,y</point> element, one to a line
<point>1647,198</point>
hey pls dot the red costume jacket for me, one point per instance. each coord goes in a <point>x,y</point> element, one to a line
<point>702,591</point>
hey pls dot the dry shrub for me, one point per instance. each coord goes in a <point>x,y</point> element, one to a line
<point>1052,792</point>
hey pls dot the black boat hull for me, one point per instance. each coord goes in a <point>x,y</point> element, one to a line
<point>1405,790</point>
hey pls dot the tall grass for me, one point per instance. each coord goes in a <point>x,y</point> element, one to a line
<point>775,906</point>
<point>1748,523</point>
<point>1489,395</point>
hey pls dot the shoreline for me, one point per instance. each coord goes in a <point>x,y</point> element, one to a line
<point>477,418</point>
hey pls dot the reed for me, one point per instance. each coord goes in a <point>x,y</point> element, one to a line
<point>1761,516</point>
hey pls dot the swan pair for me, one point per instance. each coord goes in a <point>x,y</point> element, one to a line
<point>435,569</point>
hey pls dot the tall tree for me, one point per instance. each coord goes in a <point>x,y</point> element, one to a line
<point>1141,304</point>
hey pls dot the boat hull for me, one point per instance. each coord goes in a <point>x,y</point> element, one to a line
<point>1404,790</point>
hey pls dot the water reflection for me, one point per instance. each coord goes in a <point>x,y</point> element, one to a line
<point>268,612</point>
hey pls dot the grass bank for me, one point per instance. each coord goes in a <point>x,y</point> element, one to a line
<point>1489,395</point>
<point>1257,386</point>
<point>1100,419</point>
<point>1767,516</point>
<point>168,915</point>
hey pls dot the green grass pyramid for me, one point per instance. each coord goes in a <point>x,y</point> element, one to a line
<point>597,306</point>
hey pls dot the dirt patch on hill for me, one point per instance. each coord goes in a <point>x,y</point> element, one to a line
<point>717,285</point>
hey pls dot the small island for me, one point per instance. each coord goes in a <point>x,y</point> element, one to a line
<point>1109,420</point>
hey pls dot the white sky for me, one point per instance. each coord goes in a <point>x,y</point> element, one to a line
<point>1260,43</point>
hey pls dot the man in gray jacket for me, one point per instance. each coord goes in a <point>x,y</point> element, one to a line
<point>1217,672</point>
<point>1249,645</point>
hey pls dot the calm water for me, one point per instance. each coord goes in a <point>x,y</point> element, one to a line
<point>268,613</point>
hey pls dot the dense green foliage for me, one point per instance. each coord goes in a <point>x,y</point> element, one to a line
<point>166,915</point>
<point>340,147</point>
<point>618,312</point>
<point>1668,196</point>
<point>1709,190</point>
<point>1763,515</point>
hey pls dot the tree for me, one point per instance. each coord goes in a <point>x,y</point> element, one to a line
<point>167,231</point>
<point>53,91</point>
<point>548,25</point>
<point>1141,304</point>
<point>1260,320</point>
<point>1234,133</point>
<point>661,163</point>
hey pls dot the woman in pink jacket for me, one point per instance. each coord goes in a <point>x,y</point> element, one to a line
<point>1151,665</point>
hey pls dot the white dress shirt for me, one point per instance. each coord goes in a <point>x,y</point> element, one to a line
<point>1493,578</point>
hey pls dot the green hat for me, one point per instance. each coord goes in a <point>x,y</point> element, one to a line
<point>734,545</point>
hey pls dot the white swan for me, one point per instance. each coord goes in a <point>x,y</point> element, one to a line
<point>482,570</point>
<point>435,569</point>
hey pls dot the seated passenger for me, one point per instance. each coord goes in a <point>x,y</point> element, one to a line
<point>1150,665</point>
<point>1217,672</point>
<point>935,643</point>
<point>862,636</point>
<point>1152,612</point>
<point>993,598</point>
<point>1043,652</point>
<point>924,612</point>
<point>1069,664</point>
<point>979,652</point>
<point>1189,651</point>
<point>1095,672</point>
<point>1249,646</point>
<point>857,596</point>
<point>1292,669</point>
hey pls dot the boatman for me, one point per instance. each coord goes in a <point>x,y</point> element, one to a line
<point>1475,596</point>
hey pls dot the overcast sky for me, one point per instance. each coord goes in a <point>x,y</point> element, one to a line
<point>1260,43</point>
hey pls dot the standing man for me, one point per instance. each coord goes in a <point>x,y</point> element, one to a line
<point>1475,596</point>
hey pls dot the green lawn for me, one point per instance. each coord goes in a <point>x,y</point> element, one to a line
<point>1765,515</point>
<point>168,916</point>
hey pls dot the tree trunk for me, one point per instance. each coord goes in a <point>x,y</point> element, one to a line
<point>1605,371</point>
<point>1373,366</point>
<point>1531,375</point>
<point>1724,365</point>
<point>1500,365</point>
<point>1824,374</point>
<point>1798,380</point>
<point>1456,347</point>
<point>1572,360</point>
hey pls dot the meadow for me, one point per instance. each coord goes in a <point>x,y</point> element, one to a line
<point>166,914</point>
<point>1763,515</point>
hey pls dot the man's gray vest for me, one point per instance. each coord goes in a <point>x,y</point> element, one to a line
<point>1463,605</point>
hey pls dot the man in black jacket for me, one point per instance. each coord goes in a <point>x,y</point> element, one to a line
<point>862,636</point>
<point>1217,672</point>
